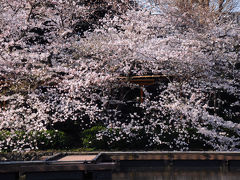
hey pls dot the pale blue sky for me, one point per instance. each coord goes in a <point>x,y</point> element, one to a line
<point>148,4</point>
<point>238,6</point>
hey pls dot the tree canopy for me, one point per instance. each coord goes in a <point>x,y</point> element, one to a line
<point>61,62</point>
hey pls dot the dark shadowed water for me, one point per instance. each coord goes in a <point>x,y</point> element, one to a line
<point>141,174</point>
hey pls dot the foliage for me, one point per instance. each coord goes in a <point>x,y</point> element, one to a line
<point>51,139</point>
<point>57,66</point>
<point>42,140</point>
<point>89,138</point>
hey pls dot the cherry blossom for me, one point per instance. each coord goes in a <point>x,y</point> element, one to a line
<point>56,67</point>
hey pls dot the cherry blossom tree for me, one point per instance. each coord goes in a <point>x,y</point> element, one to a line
<point>60,65</point>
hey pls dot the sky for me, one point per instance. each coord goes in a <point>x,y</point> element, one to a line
<point>147,3</point>
<point>238,6</point>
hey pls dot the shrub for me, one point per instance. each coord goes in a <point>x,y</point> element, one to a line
<point>90,139</point>
<point>52,139</point>
<point>46,139</point>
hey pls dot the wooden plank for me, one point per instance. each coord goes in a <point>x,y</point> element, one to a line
<point>144,76</point>
<point>57,167</point>
<point>146,80</point>
<point>174,156</point>
<point>78,158</point>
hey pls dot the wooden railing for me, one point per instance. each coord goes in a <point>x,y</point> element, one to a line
<point>146,80</point>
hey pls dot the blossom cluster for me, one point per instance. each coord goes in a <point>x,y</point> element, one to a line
<point>57,68</point>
